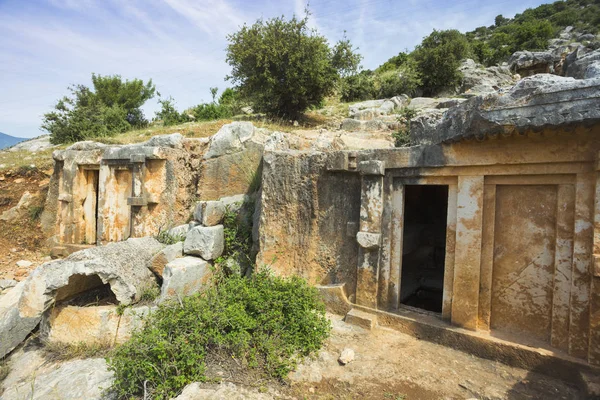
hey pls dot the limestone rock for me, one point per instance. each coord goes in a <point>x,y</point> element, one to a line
<point>183,277</point>
<point>7,284</point>
<point>578,68</point>
<point>24,263</point>
<point>85,145</point>
<point>33,145</point>
<point>180,230</point>
<point>174,140</point>
<point>475,76</point>
<point>349,124</point>
<point>421,103</point>
<point>165,256</point>
<point>16,212</point>
<point>229,139</point>
<point>277,141</point>
<point>72,380</point>
<point>206,242</point>
<point>209,213</point>
<point>527,63</point>
<point>122,265</point>
<point>346,357</point>
<point>593,70</point>
<point>449,103</point>
<point>91,325</point>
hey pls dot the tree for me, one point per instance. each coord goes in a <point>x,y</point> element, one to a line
<point>438,58</point>
<point>283,67</point>
<point>113,107</point>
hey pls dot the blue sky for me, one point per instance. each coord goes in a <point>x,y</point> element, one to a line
<point>45,45</point>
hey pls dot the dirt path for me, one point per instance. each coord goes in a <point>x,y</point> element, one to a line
<point>391,365</point>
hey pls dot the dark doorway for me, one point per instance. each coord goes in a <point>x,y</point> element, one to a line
<point>424,246</point>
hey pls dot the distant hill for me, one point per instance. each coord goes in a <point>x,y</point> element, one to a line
<point>7,140</point>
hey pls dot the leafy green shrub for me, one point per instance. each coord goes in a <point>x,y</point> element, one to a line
<point>438,57</point>
<point>265,322</point>
<point>113,107</point>
<point>402,136</point>
<point>165,237</point>
<point>284,67</point>
<point>237,229</point>
<point>358,87</point>
<point>403,80</point>
<point>168,114</point>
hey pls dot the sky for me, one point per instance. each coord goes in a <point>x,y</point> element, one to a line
<point>47,45</point>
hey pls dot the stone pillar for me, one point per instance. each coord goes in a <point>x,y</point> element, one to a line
<point>594,342</point>
<point>369,235</point>
<point>469,217</point>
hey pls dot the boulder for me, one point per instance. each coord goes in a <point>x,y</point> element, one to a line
<point>179,231</point>
<point>209,213</point>
<point>577,68</point>
<point>206,242</point>
<point>593,70</point>
<point>421,103</point>
<point>165,256</point>
<point>277,141</point>
<point>350,125</point>
<point>369,104</point>
<point>475,75</point>
<point>32,377</point>
<point>526,63</point>
<point>449,103</point>
<point>174,141</point>
<point>183,277</point>
<point>122,265</point>
<point>229,139</point>
<point>16,212</point>
<point>586,37</point>
<point>85,145</point>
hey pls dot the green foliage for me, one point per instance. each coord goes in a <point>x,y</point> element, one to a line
<point>265,322</point>
<point>394,82</point>
<point>358,87</point>
<point>394,63</point>
<point>438,57</point>
<point>149,293</point>
<point>283,67</point>
<point>165,237</point>
<point>237,228</point>
<point>168,114</point>
<point>344,58</point>
<point>402,136</point>
<point>35,212</point>
<point>112,107</point>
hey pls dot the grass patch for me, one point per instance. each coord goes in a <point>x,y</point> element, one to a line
<point>264,323</point>
<point>56,351</point>
<point>149,293</point>
<point>165,237</point>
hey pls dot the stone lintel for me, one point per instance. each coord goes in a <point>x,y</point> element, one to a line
<point>368,241</point>
<point>137,158</point>
<point>371,167</point>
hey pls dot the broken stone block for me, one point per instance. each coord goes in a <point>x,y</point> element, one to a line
<point>180,230</point>
<point>206,242</point>
<point>210,213</point>
<point>361,318</point>
<point>346,357</point>
<point>165,256</point>
<point>91,325</point>
<point>184,277</point>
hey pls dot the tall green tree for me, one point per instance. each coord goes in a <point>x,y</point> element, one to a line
<point>438,57</point>
<point>283,67</point>
<point>112,107</point>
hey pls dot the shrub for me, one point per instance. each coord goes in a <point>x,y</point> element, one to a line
<point>168,114</point>
<point>283,67</point>
<point>165,237</point>
<point>358,87</point>
<point>438,58</point>
<point>265,322</point>
<point>403,80</point>
<point>402,136</point>
<point>113,107</point>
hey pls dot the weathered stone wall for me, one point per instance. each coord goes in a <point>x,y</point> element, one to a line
<point>305,210</point>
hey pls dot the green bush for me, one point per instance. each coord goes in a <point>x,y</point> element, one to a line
<point>112,107</point>
<point>283,67</point>
<point>403,80</point>
<point>265,322</point>
<point>358,87</point>
<point>438,57</point>
<point>168,114</point>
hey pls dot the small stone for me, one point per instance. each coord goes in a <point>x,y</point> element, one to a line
<point>206,242</point>
<point>210,213</point>
<point>346,357</point>
<point>24,263</point>
<point>184,277</point>
<point>311,390</point>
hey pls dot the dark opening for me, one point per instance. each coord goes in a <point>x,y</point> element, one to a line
<point>86,290</point>
<point>424,246</point>
<point>97,210</point>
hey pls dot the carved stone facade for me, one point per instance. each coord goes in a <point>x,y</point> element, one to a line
<point>492,225</point>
